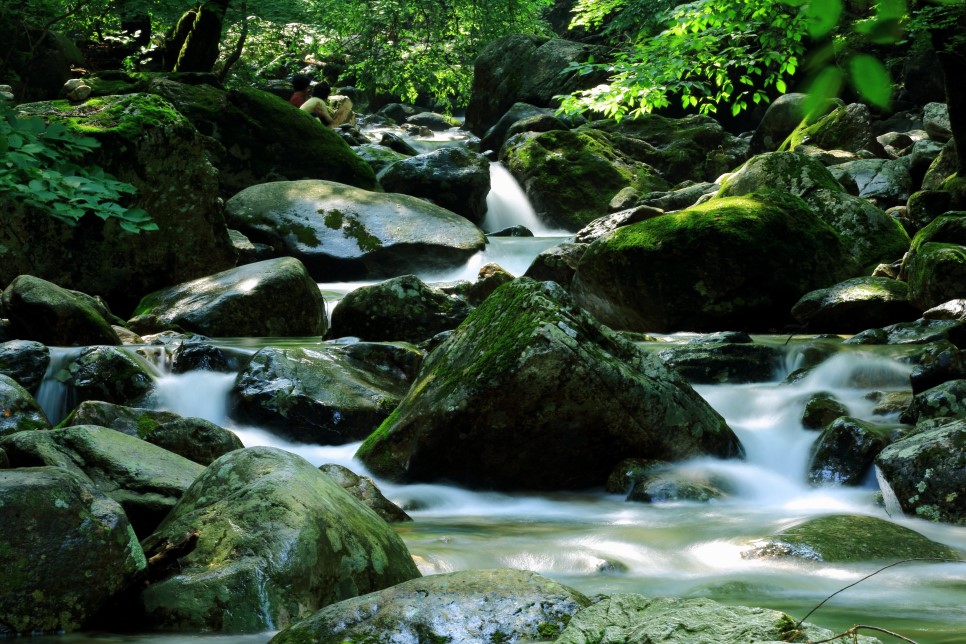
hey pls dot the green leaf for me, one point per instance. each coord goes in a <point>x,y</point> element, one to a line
<point>871,79</point>
<point>824,86</point>
<point>822,16</point>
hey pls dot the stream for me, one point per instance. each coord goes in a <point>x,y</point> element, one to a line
<point>600,544</point>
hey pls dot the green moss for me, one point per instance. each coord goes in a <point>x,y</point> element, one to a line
<point>332,218</point>
<point>122,116</point>
<point>145,425</point>
<point>356,230</point>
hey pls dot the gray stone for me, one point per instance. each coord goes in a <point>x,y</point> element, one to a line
<point>935,120</point>
<point>363,489</point>
<point>42,311</point>
<point>844,453</point>
<point>855,305</point>
<point>25,361</point>
<point>20,411</point>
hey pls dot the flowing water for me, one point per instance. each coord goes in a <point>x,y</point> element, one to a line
<point>600,544</point>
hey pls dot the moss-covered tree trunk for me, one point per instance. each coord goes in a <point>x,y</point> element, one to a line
<point>192,45</point>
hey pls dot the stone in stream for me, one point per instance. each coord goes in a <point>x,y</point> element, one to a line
<point>855,305</point>
<point>108,374</point>
<point>935,266</point>
<point>845,451</point>
<point>469,606</point>
<point>20,411</point>
<point>277,540</point>
<point>820,410</point>
<point>363,489</point>
<point>530,392</point>
<point>66,551</point>
<point>25,361</point>
<point>42,311</point>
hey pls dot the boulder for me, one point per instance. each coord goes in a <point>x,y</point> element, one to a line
<point>886,182</point>
<point>935,120</point>
<point>511,400</point>
<point>671,620</point>
<point>681,198</point>
<point>846,128</point>
<point>735,263</point>
<point>21,413</point>
<point>41,311</point>
<point>340,232</point>
<point>452,177</point>
<point>523,69</point>
<point>145,142</point>
<point>402,308</point>
<point>196,439</point>
<point>820,410</point>
<point>378,156</point>
<point>603,225</point>
<point>108,374</point>
<point>277,541</point>
<point>364,490</point>
<point>843,538</point>
<point>921,331</point>
<point>570,177</point>
<point>945,400</point>
<point>935,266</point>
<point>466,606</point>
<point>146,480</point>
<point>67,554</point>
<point>702,362</point>
<point>272,298</point>
<point>937,366</point>
<point>323,395</point>
<point>926,473</point>
<point>780,119</point>
<point>941,168</point>
<point>845,451</point>
<point>855,305</point>
<point>557,264</point>
<point>498,133</point>
<point>924,207</point>
<point>432,120</point>
<point>662,484</point>
<point>25,361</point>
<point>193,354</point>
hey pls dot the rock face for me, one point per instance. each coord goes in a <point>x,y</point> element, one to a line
<point>855,305</point>
<point>341,232</point>
<point>327,397</point>
<point>20,411</point>
<point>927,473</point>
<point>146,480</point>
<point>145,142</point>
<point>453,178</point>
<point>278,540</point>
<point>272,298</point>
<point>42,311</point>
<point>466,606</point>
<point>532,393</point>
<point>737,263</point>
<point>403,308</point>
<point>669,620</point>
<point>520,68</point>
<point>66,554</point>
<point>843,537</point>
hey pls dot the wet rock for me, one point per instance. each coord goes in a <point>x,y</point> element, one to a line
<point>340,232</point>
<point>453,177</point>
<point>557,264</point>
<point>820,410</point>
<point>21,412</point>
<point>671,620</point>
<point>854,305</point>
<point>885,182</point>
<point>845,128</point>
<point>936,367</point>
<point>529,357</point>
<point>925,206</point>
<point>273,298</point>
<point>69,552</point>
<point>402,308</point>
<point>278,540</point>
<point>196,354</point>
<point>944,400</point>
<point>42,311</point>
<point>844,453</point>
<point>196,439</point>
<point>466,606</point>
<point>730,263</point>
<point>498,133</point>
<point>942,167</point>
<point>603,225</point>
<point>363,489</point>
<point>921,331</point>
<point>379,156</point>
<point>935,266</point>
<point>489,278</point>
<point>951,310</point>
<point>108,374</point>
<point>25,361</point>
<point>927,473</point>
<point>146,480</point>
<point>680,198</point>
<point>663,485</point>
<point>845,537</point>
<point>321,396</point>
<point>433,121</point>
<point>781,118</point>
<point>512,231</point>
<point>397,144</point>
<point>723,362</point>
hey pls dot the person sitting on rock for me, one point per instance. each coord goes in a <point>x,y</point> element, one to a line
<point>300,85</point>
<point>318,106</point>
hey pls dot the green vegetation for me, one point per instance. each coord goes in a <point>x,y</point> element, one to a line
<point>42,166</point>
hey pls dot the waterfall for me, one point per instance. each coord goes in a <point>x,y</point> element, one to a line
<point>507,205</point>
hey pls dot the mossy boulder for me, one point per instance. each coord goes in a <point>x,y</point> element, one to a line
<point>464,606</point>
<point>848,128</point>
<point>845,451</point>
<point>936,264</point>
<point>25,361</point>
<point>109,374</point>
<point>735,263</point>
<point>324,396</point>
<point>885,182</point>
<point>278,540</point>
<point>378,156</point>
<point>512,400</point>
<point>945,400</point>
<point>272,298</point>
<point>557,264</point>
<point>667,485</point>
<point>366,491</point>
<point>703,362</point>
<point>498,133</point>
<point>21,412</point>
<point>926,472</point>
<point>255,137</point>
<point>145,479</point>
<point>672,620</point>
<point>454,178</point>
<point>402,308</point>
<point>196,439</point>
<point>790,172</point>
<point>855,305</point>
<point>146,142</point>
<point>570,177</point>
<point>820,410</point>
<point>42,311</point>
<point>341,232</point>
<point>846,537</point>
<point>66,550</point>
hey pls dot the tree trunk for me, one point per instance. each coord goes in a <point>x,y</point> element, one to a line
<point>948,43</point>
<point>193,44</point>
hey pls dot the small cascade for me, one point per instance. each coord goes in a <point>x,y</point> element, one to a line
<point>507,205</point>
<point>198,394</point>
<point>53,394</point>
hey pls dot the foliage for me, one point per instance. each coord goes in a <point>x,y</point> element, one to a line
<point>41,166</point>
<point>710,53</point>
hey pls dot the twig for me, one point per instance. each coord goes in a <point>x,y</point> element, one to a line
<point>854,631</point>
